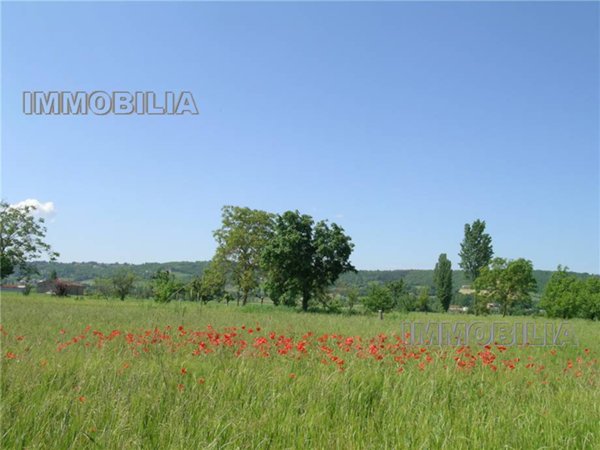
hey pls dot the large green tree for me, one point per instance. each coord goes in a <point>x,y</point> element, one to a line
<point>243,235</point>
<point>302,259</point>
<point>475,250</point>
<point>21,239</point>
<point>506,282</point>
<point>442,280</point>
<point>568,296</point>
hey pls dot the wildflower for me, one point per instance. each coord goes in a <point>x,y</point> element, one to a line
<point>570,364</point>
<point>201,380</point>
<point>82,399</point>
<point>10,355</point>
<point>183,371</point>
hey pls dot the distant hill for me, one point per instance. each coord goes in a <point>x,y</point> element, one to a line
<point>86,272</point>
<point>414,278</point>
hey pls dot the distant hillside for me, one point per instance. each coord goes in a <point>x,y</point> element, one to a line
<point>88,271</point>
<point>414,278</point>
<point>186,270</point>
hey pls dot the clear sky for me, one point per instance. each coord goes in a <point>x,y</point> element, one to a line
<point>399,121</point>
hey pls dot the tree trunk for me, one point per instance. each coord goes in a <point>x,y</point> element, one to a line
<point>305,299</point>
<point>245,299</point>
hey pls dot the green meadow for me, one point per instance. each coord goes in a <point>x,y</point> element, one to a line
<point>125,375</point>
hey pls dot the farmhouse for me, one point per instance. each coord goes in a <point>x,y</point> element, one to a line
<point>466,289</point>
<point>72,288</point>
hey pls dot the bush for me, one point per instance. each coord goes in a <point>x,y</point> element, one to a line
<point>61,289</point>
<point>379,298</point>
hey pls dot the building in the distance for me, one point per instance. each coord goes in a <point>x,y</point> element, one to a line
<point>72,288</point>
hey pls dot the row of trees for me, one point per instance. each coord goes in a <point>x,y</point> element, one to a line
<point>291,258</point>
<point>288,256</point>
<point>494,280</point>
<point>394,296</point>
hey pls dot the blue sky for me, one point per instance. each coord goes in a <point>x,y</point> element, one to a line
<point>399,121</point>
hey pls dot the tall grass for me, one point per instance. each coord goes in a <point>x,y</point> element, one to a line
<point>90,397</point>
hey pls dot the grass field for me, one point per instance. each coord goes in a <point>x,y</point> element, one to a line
<point>109,374</point>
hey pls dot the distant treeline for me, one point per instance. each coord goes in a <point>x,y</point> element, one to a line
<point>87,272</point>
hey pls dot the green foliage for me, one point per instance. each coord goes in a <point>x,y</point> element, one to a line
<point>352,299</point>
<point>442,278</point>
<point>379,298</point>
<point>165,286</point>
<point>398,292</point>
<point>103,287</point>
<point>21,239</point>
<point>60,289</point>
<point>303,259</point>
<point>591,300</point>
<point>89,271</point>
<point>209,286</point>
<point>475,250</point>
<point>506,283</point>
<point>28,288</point>
<point>123,282</point>
<point>567,296</point>
<point>243,235</point>
<point>423,300</point>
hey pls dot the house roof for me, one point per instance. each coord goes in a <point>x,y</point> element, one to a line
<point>67,282</point>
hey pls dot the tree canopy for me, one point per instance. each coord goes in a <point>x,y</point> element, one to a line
<point>568,296</point>
<point>243,235</point>
<point>302,259</point>
<point>21,239</point>
<point>476,249</point>
<point>442,279</point>
<point>122,283</point>
<point>506,283</point>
